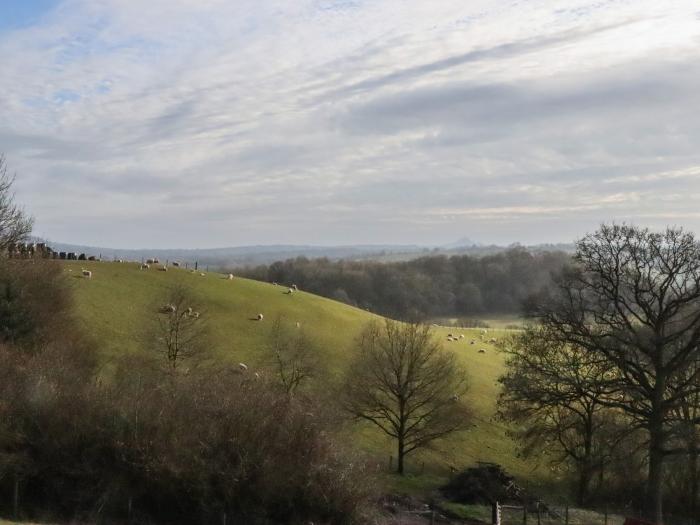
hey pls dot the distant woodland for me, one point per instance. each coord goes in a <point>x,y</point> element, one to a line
<point>427,287</point>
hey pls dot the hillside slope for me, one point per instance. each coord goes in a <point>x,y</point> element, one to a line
<point>116,304</point>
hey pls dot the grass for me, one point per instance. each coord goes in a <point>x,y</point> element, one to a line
<point>116,304</point>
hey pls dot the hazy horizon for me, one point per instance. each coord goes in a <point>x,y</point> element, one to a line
<point>341,122</point>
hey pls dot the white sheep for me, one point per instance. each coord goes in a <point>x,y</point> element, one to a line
<point>260,317</point>
<point>298,324</point>
<point>87,273</point>
<point>163,268</point>
<point>230,277</point>
<point>243,367</point>
<point>296,288</point>
<point>201,274</point>
<point>145,266</point>
<point>461,336</point>
<point>167,309</point>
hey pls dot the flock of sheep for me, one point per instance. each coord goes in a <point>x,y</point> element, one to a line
<point>169,308</point>
<point>146,265</point>
<point>482,336</point>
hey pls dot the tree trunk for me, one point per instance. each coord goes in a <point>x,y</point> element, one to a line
<point>693,466</point>
<point>585,470</point>
<point>401,453</point>
<point>584,479</point>
<point>656,459</point>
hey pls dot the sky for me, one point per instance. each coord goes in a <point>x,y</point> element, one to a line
<point>204,123</point>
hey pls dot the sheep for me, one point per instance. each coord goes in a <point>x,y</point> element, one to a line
<point>461,336</point>
<point>150,261</point>
<point>163,268</point>
<point>492,340</point>
<point>145,266</point>
<point>298,324</point>
<point>87,274</point>
<point>189,311</point>
<point>201,274</point>
<point>195,315</point>
<point>482,351</point>
<point>296,288</point>
<point>243,367</point>
<point>260,317</point>
<point>455,398</point>
<point>230,277</point>
<point>290,291</point>
<point>449,335</point>
<point>176,264</point>
<point>472,342</point>
<point>167,309</point>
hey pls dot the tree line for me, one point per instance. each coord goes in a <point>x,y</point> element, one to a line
<point>423,288</point>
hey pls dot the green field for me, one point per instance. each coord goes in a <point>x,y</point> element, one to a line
<point>115,305</point>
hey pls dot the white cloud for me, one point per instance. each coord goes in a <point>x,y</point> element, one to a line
<point>351,121</point>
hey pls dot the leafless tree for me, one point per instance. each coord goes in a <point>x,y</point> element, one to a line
<point>179,331</point>
<point>15,225</point>
<point>555,394</point>
<point>633,299</point>
<point>291,354</point>
<point>405,384</point>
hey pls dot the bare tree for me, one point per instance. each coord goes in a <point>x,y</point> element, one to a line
<point>633,300</point>
<point>405,384</point>
<point>15,225</point>
<point>555,394</point>
<point>178,330</point>
<point>292,355</point>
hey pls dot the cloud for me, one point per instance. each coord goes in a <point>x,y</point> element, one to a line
<point>348,121</point>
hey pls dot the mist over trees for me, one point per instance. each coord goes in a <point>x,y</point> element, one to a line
<point>428,287</point>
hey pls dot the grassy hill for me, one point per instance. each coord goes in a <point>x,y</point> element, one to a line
<point>117,302</point>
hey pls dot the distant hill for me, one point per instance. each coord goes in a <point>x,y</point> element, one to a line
<point>237,256</point>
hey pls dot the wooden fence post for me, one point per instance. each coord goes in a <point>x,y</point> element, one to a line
<point>496,514</point>
<point>539,518</point>
<point>15,498</point>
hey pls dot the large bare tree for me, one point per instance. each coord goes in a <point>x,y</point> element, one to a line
<point>15,224</point>
<point>405,384</point>
<point>633,298</point>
